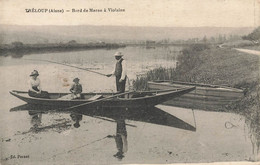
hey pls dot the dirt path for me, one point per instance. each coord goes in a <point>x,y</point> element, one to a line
<point>249,51</point>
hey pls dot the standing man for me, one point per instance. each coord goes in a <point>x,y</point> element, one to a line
<point>119,72</point>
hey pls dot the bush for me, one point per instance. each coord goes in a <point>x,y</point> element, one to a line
<point>254,36</point>
<point>187,61</point>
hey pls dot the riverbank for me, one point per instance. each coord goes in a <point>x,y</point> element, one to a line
<point>253,47</point>
<point>18,48</point>
<point>159,136</point>
<point>209,65</point>
<point>219,66</point>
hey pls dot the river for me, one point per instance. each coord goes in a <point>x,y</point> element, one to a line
<point>163,134</point>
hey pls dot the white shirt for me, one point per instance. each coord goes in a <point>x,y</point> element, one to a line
<point>34,83</point>
<point>124,71</point>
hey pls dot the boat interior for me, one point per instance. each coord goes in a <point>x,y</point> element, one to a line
<point>92,96</point>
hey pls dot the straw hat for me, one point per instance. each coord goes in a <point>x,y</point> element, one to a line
<point>76,79</point>
<point>34,73</point>
<point>118,54</point>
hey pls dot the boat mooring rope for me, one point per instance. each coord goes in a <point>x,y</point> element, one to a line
<point>229,125</point>
<point>194,118</point>
<point>194,114</point>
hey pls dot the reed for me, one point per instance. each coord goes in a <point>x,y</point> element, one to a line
<point>204,64</point>
<point>187,60</point>
<point>156,74</point>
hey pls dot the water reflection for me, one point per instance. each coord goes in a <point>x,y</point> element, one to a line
<point>36,120</point>
<point>121,139</point>
<point>19,53</point>
<point>151,115</point>
<point>254,129</point>
<point>169,50</point>
<point>76,118</point>
<point>14,54</point>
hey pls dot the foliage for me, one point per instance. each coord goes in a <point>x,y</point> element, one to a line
<point>187,61</point>
<point>17,44</point>
<point>200,64</point>
<point>254,36</point>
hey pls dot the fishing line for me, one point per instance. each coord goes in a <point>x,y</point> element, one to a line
<point>67,65</point>
<point>71,150</point>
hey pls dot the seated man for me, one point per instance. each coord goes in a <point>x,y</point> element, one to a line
<point>76,89</point>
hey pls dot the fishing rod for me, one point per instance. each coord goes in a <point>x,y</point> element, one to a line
<point>68,65</point>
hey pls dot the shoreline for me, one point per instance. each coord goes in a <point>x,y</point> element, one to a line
<point>219,66</point>
<point>18,48</point>
<point>147,143</point>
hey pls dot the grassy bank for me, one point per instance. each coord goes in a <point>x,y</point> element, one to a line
<point>210,66</point>
<point>218,66</point>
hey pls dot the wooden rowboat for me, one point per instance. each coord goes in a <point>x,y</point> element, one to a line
<point>131,100</point>
<point>206,97</point>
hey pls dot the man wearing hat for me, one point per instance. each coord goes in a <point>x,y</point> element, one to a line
<point>76,88</point>
<point>119,72</point>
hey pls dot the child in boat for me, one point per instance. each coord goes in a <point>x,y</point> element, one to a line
<point>76,89</point>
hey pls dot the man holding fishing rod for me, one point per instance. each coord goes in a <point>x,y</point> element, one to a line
<point>119,72</point>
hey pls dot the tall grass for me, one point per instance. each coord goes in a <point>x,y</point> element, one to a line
<point>197,64</point>
<point>187,60</point>
<point>249,107</point>
<point>156,74</point>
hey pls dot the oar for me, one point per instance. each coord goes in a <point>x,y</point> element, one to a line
<point>68,65</point>
<point>113,121</point>
<point>95,101</point>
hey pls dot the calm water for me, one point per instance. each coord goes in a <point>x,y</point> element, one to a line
<point>139,59</point>
<point>160,135</point>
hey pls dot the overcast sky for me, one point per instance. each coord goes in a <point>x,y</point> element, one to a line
<point>163,13</point>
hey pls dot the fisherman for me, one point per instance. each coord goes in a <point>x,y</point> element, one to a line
<point>76,89</point>
<point>35,86</point>
<point>120,72</point>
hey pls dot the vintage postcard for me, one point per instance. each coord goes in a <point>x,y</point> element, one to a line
<point>129,82</point>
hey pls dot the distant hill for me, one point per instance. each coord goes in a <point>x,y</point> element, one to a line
<point>88,33</point>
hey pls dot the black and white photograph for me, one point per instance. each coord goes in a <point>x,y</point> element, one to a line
<point>105,82</point>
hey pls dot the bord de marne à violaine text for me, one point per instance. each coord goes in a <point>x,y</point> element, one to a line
<point>74,10</point>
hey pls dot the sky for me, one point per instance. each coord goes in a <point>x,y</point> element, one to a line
<point>159,13</point>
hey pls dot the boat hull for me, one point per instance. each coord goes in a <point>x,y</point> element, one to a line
<point>136,99</point>
<point>205,97</point>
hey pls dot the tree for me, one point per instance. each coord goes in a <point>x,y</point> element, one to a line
<point>205,40</point>
<point>212,39</point>
<point>254,36</point>
<point>220,38</point>
<point>71,42</point>
<point>17,44</point>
